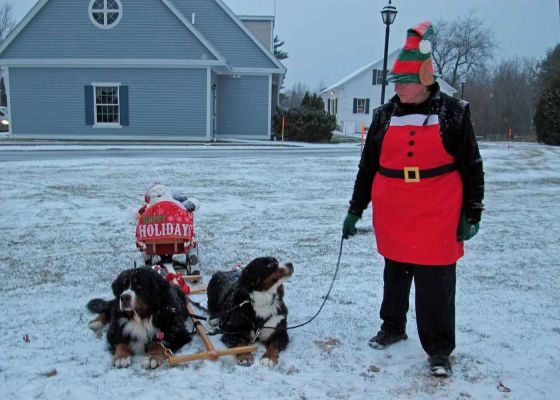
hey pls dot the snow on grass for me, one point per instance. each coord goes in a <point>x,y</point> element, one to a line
<point>67,229</point>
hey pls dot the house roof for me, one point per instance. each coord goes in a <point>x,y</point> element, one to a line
<point>378,64</point>
<point>169,3</point>
<point>253,8</point>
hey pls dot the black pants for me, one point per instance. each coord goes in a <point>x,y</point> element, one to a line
<point>435,303</point>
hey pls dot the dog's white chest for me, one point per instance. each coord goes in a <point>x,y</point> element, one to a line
<point>265,304</point>
<point>141,331</point>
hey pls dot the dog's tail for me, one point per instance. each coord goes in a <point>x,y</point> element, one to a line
<point>100,306</point>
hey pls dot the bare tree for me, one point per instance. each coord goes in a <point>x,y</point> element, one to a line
<point>502,99</point>
<point>7,22</point>
<point>462,47</point>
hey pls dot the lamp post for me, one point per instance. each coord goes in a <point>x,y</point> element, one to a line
<point>388,13</point>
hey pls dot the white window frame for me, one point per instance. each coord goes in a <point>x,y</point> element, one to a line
<point>106,124</point>
<point>104,10</point>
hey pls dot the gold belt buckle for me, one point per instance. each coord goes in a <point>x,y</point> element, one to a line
<point>415,177</point>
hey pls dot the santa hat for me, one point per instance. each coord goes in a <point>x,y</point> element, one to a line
<point>414,62</point>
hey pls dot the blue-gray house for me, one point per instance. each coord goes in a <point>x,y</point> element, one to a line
<point>181,69</point>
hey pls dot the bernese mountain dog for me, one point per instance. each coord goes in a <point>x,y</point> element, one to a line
<point>262,315</point>
<point>147,316</point>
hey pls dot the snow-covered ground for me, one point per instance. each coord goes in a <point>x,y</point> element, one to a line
<point>67,230</point>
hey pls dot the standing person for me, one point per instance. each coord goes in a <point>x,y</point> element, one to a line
<point>422,171</point>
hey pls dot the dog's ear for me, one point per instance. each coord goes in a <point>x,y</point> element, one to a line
<point>255,273</point>
<point>158,283</point>
<point>121,283</point>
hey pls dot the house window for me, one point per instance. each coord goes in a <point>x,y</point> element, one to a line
<point>332,106</point>
<point>377,78</point>
<point>105,14</point>
<point>107,105</point>
<point>361,106</point>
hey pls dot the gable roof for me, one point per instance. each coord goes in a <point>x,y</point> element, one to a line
<point>252,8</point>
<point>378,64</point>
<point>252,36</point>
<point>41,3</point>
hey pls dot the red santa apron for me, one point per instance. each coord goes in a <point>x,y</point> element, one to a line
<point>415,218</point>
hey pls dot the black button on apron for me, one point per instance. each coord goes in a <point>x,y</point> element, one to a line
<point>412,133</point>
<point>410,154</point>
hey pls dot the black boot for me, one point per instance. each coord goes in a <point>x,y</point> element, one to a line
<point>440,366</point>
<point>385,338</point>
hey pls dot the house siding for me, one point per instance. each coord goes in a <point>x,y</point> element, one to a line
<point>147,30</point>
<point>262,30</point>
<point>162,102</point>
<point>224,34</point>
<point>243,106</point>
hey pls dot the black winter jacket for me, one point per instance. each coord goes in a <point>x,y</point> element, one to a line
<point>458,140</point>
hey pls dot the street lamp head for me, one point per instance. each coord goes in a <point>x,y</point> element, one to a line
<point>389,13</point>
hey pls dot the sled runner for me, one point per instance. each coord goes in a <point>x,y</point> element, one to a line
<point>211,352</point>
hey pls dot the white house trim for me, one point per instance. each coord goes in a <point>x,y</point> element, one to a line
<point>97,24</point>
<point>270,106</point>
<point>243,27</point>
<point>194,31</point>
<point>253,71</point>
<point>209,104</point>
<point>256,18</point>
<point>105,125</point>
<point>9,96</point>
<point>109,63</point>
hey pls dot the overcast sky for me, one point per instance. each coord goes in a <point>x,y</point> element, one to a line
<point>328,39</point>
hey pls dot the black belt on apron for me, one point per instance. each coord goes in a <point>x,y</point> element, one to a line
<point>414,174</point>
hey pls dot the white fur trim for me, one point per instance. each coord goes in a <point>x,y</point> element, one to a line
<point>425,47</point>
<point>414,120</point>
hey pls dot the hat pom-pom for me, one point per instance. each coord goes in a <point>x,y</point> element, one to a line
<point>425,46</point>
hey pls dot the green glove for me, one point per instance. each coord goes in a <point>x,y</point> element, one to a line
<point>349,225</point>
<point>466,230</point>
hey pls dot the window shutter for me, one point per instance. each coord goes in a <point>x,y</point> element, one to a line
<point>328,106</point>
<point>88,105</point>
<point>355,108</point>
<point>123,104</point>
<point>367,106</point>
<point>335,106</point>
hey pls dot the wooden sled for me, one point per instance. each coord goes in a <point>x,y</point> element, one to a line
<point>211,352</point>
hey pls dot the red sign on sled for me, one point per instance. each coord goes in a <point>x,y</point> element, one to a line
<point>165,220</point>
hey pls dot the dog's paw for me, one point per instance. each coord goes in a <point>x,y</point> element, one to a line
<point>123,362</point>
<point>270,357</point>
<point>152,362</point>
<point>96,326</point>
<point>213,322</point>
<point>245,359</point>
<point>268,362</point>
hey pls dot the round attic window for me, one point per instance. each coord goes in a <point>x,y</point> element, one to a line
<point>105,14</point>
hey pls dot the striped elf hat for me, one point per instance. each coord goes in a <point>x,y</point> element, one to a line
<point>414,62</point>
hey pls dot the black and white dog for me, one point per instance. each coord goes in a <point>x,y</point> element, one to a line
<point>147,316</point>
<point>263,315</point>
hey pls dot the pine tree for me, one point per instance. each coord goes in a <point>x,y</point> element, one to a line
<point>547,117</point>
<point>278,53</point>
